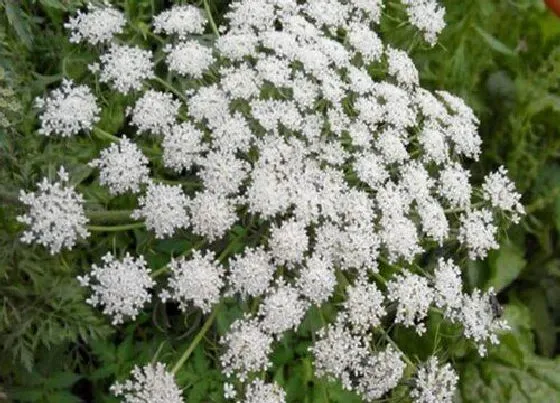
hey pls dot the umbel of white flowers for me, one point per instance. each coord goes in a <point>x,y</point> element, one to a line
<point>284,121</point>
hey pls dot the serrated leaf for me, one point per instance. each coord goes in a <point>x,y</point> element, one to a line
<point>505,265</point>
<point>62,380</point>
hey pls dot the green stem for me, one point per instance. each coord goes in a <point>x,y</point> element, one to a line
<point>103,135</point>
<point>388,338</point>
<point>9,197</point>
<point>116,228</point>
<point>195,341</point>
<point>210,19</point>
<point>170,88</point>
<point>111,216</point>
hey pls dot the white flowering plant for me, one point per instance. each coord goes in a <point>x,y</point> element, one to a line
<point>278,182</point>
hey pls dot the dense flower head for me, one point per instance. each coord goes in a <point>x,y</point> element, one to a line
<point>68,110</point>
<point>198,280</point>
<point>250,274</point>
<point>379,373</point>
<point>259,391</point>
<point>151,383</point>
<point>122,167</point>
<point>434,383</point>
<point>181,21</point>
<point>337,353</point>
<point>164,208</point>
<point>500,191</point>
<point>364,306</point>
<point>413,296</point>
<point>120,286</point>
<point>155,112</point>
<point>427,16</point>
<point>247,348</point>
<point>97,26</point>
<point>125,67</point>
<point>478,233</point>
<point>448,287</point>
<point>282,309</point>
<point>189,58</point>
<point>56,216</point>
<point>480,324</point>
<point>281,140</point>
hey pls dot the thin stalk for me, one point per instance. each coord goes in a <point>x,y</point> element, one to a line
<point>111,216</point>
<point>116,228</point>
<point>103,135</point>
<point>170,88</point>
<point>395,345</point>
<point>205,327</point>
<point>210,19</point>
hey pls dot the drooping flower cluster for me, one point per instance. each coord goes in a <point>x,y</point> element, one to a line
<point>56,216</point>
<point>152,383</point>
<point>121,287</point>
<point>333,174</point>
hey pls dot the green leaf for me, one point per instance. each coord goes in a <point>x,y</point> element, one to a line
<point>62,380</point>
<point>494,43</point>
<point>16,18</point>
<point>512,372</point>
<point>505,265</point>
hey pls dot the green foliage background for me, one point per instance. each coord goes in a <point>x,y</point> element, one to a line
<point>502,57</point>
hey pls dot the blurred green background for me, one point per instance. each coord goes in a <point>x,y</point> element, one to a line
<point>502,57</point>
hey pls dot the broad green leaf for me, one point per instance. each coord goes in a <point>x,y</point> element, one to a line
<point>512,372</point>
<point>541,320</point>
<point>505,265</point>
<point>494,43</point>
<point>62,380</point>
<point>17,20</point>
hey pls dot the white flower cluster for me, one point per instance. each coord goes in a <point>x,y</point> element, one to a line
<point>427,16</point>
<point>434,383</point>
<point>122,167</point>
<point>259,391</point>
<point>332,171</point>
<point>68,110</point>
<point>125,67</point>
<point>479,319</point>
<point>155,112</point>
<point>121,287</point>
<point>164,208</point>
<point>97,26</point>
<point>198,279</point>
<point>56,215</point>
<point>152,383</point>
<point>181,21</point>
